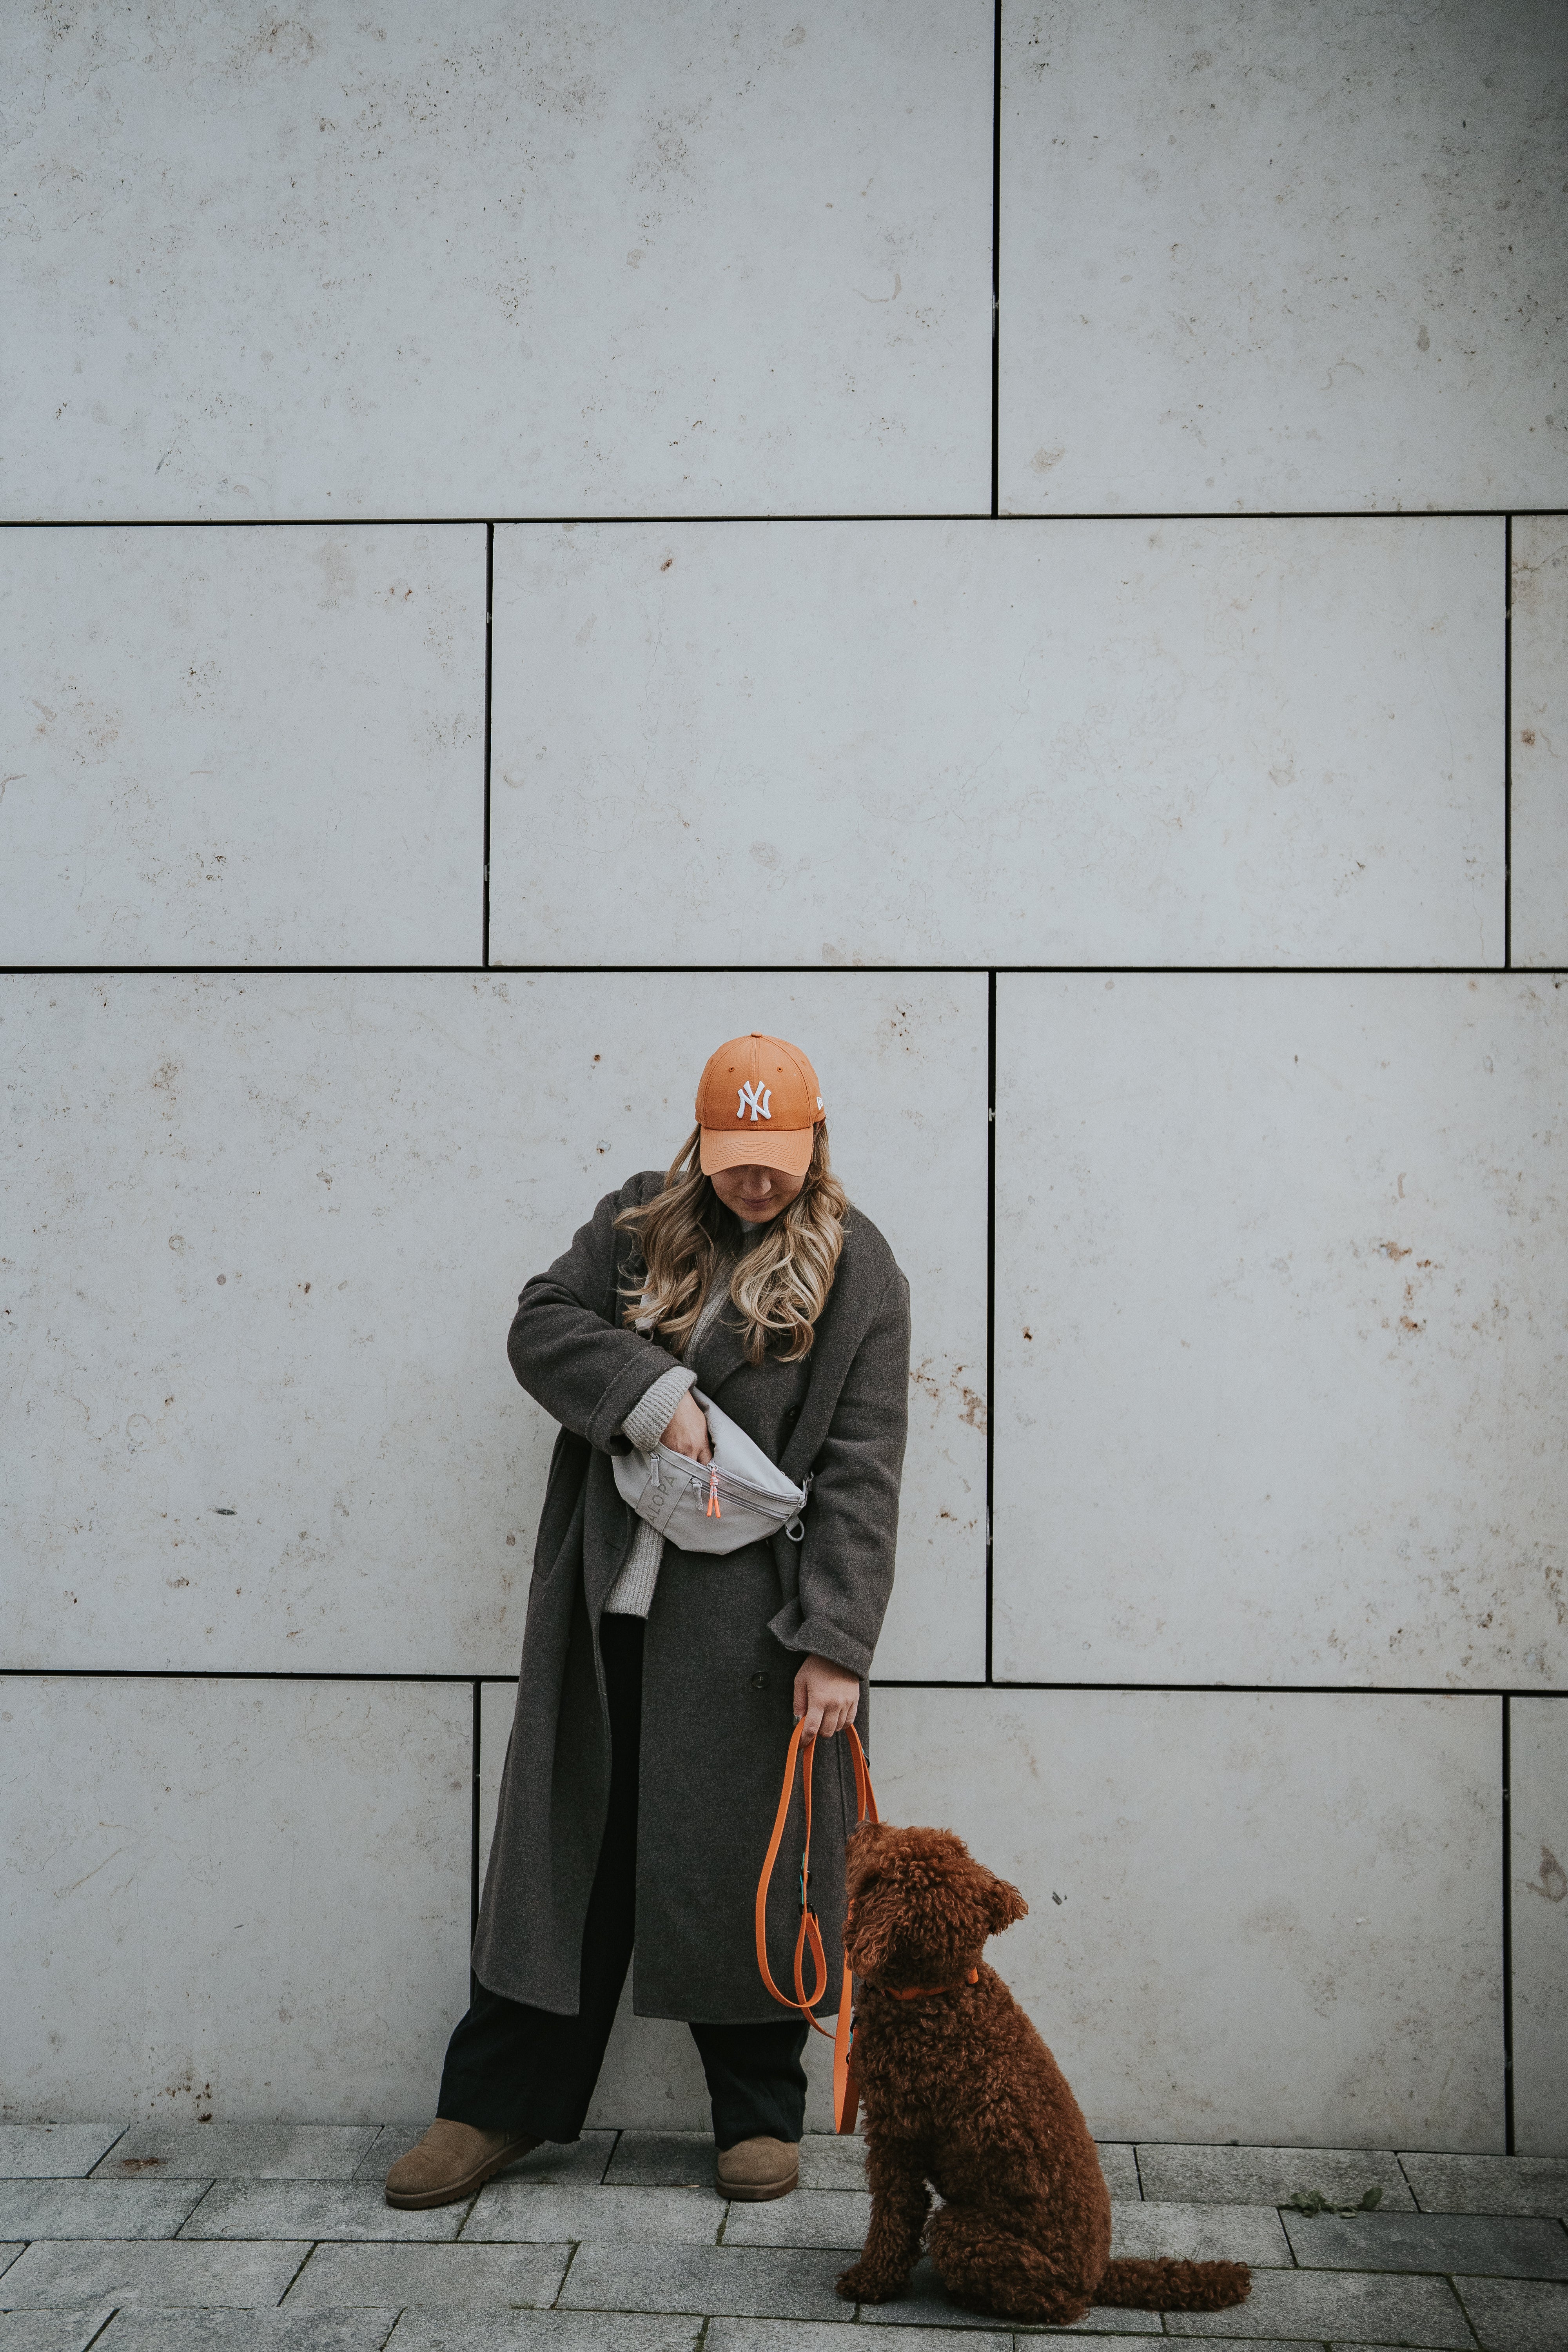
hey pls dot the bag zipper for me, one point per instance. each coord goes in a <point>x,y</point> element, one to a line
<point>702,1477</point>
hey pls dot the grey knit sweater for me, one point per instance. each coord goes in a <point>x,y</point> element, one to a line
<point>631,1592</point>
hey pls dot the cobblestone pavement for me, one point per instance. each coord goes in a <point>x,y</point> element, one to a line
<point>275,2238</point>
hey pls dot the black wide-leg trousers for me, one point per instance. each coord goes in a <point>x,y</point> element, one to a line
<point>510,2068</point>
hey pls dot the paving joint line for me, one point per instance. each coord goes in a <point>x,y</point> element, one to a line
<point>555,2303</point>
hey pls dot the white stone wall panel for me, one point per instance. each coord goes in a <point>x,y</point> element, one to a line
<point>1539,750</point>
<point>241,1898</point>
<point>294,306</point>
<point>1539,1867</point>
<point>1257,256</point>
<point>243,746</point>
<point>1282,1316</point>
<point>945,743</point>
<point>268,1236</point>
<point>1271,1919</point>
<point>597,260</point>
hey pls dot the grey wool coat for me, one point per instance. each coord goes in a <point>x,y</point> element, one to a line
<point>724,1638</point>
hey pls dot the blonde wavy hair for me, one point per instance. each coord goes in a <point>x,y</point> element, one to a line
<point>780,1285</point>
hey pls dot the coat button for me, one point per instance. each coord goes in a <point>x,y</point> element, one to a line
<point>759,1681</point>
<point>792,1413</point>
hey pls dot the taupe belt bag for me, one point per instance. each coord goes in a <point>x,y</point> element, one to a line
<point>739,1497</point>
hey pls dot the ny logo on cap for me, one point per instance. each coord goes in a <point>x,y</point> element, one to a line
<point>758,1098</point>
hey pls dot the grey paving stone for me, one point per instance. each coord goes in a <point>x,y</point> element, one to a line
<point>247,2331</point>
<point>455,2275</point>
<point>1201,2233</point>
<point>644,2160</point>
<point>574,2164</point>
<point>1490,2245</point>
<point>8,2256</point>
<point>1268,2176</point>
<point>54,2151</point>
<point>1119,2162</point>
<point>582,2160</point>
<point>733,2281</point>
<point>240,2151</point>
<point>807,2335</point>
<point>545,2331</point>
<point>119,2271</point>
<point>1489,2184</point>
<point>520,2213</point>
<point>391,2141</point>
<point>50,2331</point>
<point>927,2305</point>
<point>316,2209</point>
<point>815,2217</point>
<point>97,2208</point>
<point>1314,2305</point>
<point>828,2161</point>
<point>1517,2315</point>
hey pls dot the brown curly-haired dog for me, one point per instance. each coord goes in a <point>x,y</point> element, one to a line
<point>961,2092</point>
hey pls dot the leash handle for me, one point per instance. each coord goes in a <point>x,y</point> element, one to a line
<point>808,1936</point>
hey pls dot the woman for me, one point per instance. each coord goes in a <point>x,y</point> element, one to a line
<point>659,1686</point>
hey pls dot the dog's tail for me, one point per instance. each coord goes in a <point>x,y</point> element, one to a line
<point>1174,2286</point>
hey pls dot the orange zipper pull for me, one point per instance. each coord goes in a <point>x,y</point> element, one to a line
<point>713,1512</point>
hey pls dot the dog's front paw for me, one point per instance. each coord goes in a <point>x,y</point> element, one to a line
<point>861,2283</point>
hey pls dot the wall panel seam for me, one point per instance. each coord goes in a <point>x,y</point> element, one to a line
<point>490,649</point>
<point>889,1683</point>
<point>750,971</point>
<point>990,1313</point>
<point>667,521</point>
<point>996,260</point>
<point>1506,1926</point>
<point>1508,742</point>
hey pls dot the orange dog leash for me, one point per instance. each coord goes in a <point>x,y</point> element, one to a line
<point>808,1937</point>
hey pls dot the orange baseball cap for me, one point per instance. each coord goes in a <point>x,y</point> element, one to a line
<point>758,1105</point>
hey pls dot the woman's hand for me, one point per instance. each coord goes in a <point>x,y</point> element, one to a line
<point>827,1697</point>
<point>688,1431</point>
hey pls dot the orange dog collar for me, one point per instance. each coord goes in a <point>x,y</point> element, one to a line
<point>923,1992</point>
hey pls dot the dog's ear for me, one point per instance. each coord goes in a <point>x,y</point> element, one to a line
<point>1003,1903</point>
<point>864,1854</point>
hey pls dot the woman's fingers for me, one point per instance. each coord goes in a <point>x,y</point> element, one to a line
<point>688,1431</point>
<point>827,1697</point>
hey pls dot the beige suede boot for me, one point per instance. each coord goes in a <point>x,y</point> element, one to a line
<point>754,2169</point>
<point>451,2161</point>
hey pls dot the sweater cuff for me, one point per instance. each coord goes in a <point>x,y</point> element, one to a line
<point>820,1637</point>
<point>655,1408</point>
